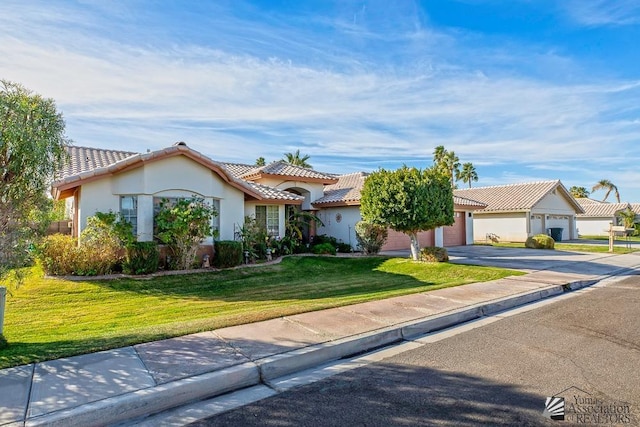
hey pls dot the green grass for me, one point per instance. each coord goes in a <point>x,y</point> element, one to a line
<point>52,318</point>
<point>576,247</point>
<point>606,238</point>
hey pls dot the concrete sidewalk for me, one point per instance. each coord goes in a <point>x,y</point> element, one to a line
<point>126,384</point>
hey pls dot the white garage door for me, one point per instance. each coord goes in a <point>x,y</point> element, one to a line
<point>536,225</point>
<point>560,221</point>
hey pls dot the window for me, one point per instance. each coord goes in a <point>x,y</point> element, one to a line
<point>129,211</point>
<point>269,218</point>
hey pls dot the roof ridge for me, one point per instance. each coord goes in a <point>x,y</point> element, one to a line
<point>511,185</point>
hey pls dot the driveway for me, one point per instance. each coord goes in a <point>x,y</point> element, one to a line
<point>529,260</point>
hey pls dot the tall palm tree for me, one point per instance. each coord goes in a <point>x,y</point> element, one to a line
<point>605,184</point>
<point>447,162</point>
<point>467,174</point>
<point>438,154</point>
<point>297,160</point>
<point>260,161</point>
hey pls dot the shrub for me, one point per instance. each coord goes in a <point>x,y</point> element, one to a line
<point>540,241</point>
<point>3,342</point>
<point>371,237</point>
<point>58,254</point>
<point>434,254</point>
<point>102,244</point>
<point>345,248</point>
<point>141,258</point>
<point>228,254</point>
<point>324,249</point>
<point>182,226</point>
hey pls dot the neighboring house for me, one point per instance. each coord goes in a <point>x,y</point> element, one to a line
<point>339,210</point>
<point>134,184</point>
<point>517,211</point>
<point>598,215</point>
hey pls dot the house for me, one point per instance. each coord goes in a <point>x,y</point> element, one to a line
<point>134,184</point>
<point>598,215</point>
<point>339,210</point>
<point>516,211</point>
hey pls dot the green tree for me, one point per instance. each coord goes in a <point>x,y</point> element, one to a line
<point>579,192</point>
<point>447,162</point>
<point>467,174</point>
<point>260,161</point>
<point>297,159</point>
<point>408,200</point>
<point>32,150</point>
<point>628,218</point>
<point>605,184</point>
<point>182,226</point>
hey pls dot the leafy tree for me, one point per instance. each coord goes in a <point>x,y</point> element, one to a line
<point>182,226</point>
<point>579,192</point>
<point>447,162</point>
<point>297,160</point>
<point>32,150</point>
<point>605,184</point>
<point>260,161</point>
<point>370,237</point>
<point>467,174</point>
<point>408,200</point>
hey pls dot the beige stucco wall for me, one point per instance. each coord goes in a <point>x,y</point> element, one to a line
<point>343,230</point>
<point>594,226</point>
<point>171,177</point>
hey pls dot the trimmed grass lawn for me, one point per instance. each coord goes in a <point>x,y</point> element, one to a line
<point>576,247</point>
<point>618,239</point>
<point>51,318</point>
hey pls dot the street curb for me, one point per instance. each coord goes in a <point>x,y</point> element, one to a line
<point>152,400</point>
<point>143,403</point>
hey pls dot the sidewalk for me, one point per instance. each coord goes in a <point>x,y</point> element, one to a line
<point>126,384</point>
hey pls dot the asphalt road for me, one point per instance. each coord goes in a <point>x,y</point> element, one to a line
<point>585,349</point>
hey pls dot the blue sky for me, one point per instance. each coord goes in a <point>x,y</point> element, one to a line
<point>527,90</point>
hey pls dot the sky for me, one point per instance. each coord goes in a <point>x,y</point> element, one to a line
<point>526,90</point>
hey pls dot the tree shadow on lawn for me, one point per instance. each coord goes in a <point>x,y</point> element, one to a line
<point>296,278</point>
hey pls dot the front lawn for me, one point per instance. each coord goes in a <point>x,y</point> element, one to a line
<point>52,318</point>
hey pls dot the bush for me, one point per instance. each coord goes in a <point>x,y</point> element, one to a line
<point>434,254</point>
<point>141,258</point>
<point>324,249</point>
<point>3,342</point>
<point>344,248</point>
<point>58,254</point>
<point>540,241</point>
<point>371,237</point>
<point>228,254</point>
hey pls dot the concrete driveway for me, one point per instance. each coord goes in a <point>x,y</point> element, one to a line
<point>529,260</point>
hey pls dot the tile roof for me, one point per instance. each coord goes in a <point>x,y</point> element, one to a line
<point>282,168</point>
<point>238,169</point>
<point>635,207</point>
<point>86,159</point>
<point>515,197</point>
<point>271,193</point>
<point>595,208</point>
<point>463,201</point>
<point>345,191</point>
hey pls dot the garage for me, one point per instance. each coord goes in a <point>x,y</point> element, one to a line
<point>560,221</point>
<point>400,241</point>
<point>456,234</point>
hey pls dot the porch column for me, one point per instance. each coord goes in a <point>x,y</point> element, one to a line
<point>438,237</point>
<point>145,218</point>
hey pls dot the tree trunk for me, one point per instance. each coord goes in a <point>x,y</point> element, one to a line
<point>415,246</point>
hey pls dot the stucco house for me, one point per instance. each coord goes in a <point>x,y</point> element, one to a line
<point>598,215</point>
<point>339,210</point>
<point>133,184</point>
<point>516,211</point>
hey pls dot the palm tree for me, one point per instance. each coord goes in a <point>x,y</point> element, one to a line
<point>297,160</point>
<point>467,174</point>
<point>260,161</point>
<point>605,184</point>
<point>447,162</point>
<point>579,192</point>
